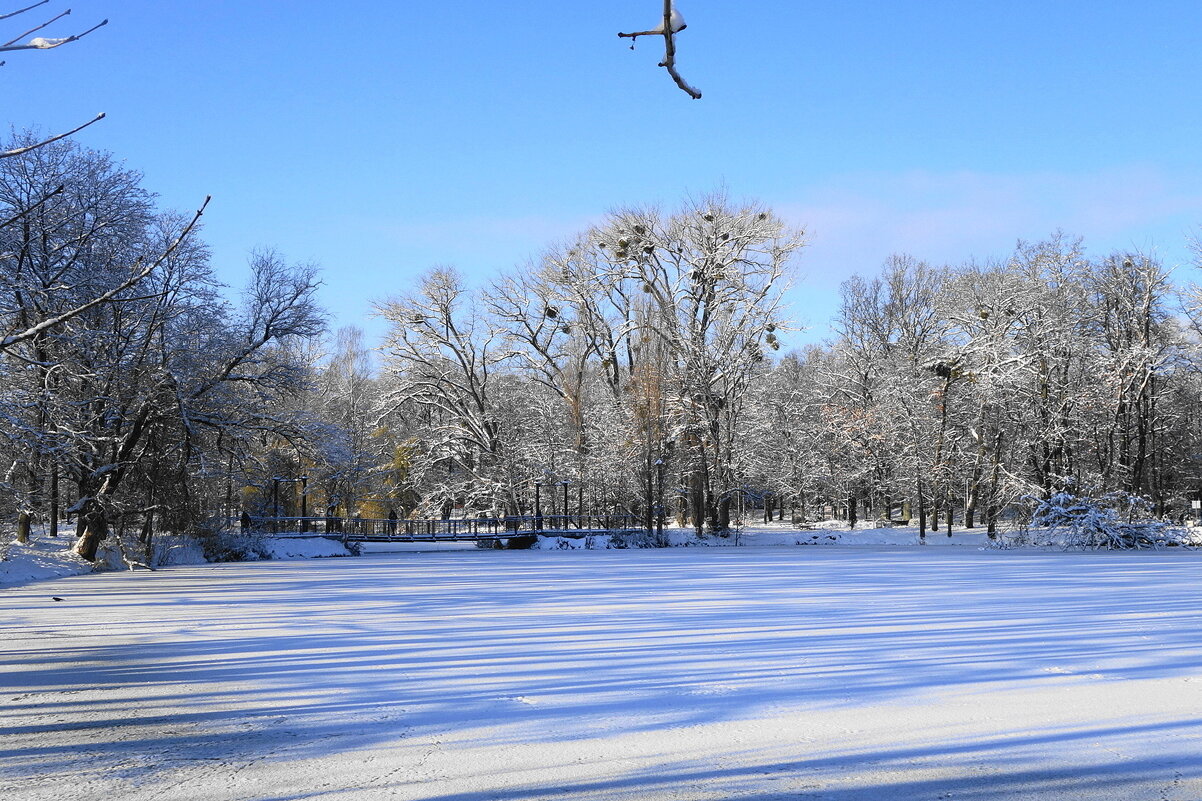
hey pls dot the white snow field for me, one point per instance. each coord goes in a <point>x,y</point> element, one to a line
<point>685,673</point>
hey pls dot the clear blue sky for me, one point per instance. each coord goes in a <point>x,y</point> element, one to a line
<point>379,138</point>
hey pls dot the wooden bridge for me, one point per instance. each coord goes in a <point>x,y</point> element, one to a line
<point>464,529</point>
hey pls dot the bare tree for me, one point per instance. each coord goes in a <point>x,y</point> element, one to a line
<point>34,200</point>
<point>180,367</point>
<point>711,278</point>
<point>444,355</point>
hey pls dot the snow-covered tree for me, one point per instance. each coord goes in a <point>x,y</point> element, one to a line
<point>444,356</point>
<point>130,401</point>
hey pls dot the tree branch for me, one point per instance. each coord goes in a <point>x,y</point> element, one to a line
<point>669,62</point>
<point>34,29</point>
<point>23,10</point>
<point>31,332</point>
<point>50,44</point>
<point>4,154</point>
<point>20,215</point>
<point>672,24</point>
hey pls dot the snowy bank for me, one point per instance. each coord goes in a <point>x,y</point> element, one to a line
<point>833,533</point>
<point>49,558</point>
<point>775,535</point>
<point>302,548</point>
<point>38,560</point>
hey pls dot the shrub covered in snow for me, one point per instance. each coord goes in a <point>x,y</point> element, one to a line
<point>225,545</point>
<point>1117,520</point>
<point>238,546</point>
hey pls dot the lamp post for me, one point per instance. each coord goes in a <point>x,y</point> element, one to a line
<point>565,483</point>
<point>304,504</point>
<point>275,506</point>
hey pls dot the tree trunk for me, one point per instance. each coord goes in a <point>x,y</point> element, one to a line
<point>24,520</point>
<point>722,518</point>
<point>147,531</point>
<point>648,507</point>
<point>95,528</point>
<point>697,499</point>
<point>922,511</point>
<point>54,500</point>
<point>992,510</point>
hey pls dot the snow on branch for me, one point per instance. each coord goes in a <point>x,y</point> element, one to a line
<point>58,190</point>
<point>672,24</point>
<point>141,271</point>
<point>5,154</point>
<point>40,42</point>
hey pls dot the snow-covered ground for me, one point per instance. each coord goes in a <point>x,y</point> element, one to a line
<point>46,557</point>
<point>685,673</point>
<point>303,548</point>
<point>39,559</point>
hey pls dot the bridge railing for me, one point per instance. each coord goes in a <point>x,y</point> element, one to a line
<point>455,528</point>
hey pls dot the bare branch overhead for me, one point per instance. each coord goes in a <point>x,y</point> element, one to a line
<point>141,270</point>
<point>42,43</point>
<point>23,10</point>
<point>4,154</point>
<point>672,24</point>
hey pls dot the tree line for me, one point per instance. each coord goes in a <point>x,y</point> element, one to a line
<point>636,368</point>
<point>640,362</point>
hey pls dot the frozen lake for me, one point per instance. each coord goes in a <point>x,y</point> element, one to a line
<point>688,673</point>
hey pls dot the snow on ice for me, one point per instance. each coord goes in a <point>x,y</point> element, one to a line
<point>682,673</point>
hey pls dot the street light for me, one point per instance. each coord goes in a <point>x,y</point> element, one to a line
<point>304,504</point>
<point>565,483</point>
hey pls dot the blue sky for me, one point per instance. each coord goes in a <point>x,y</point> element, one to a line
<point>381,138</point>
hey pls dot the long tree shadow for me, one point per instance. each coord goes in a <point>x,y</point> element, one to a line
<point>304,660</point>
